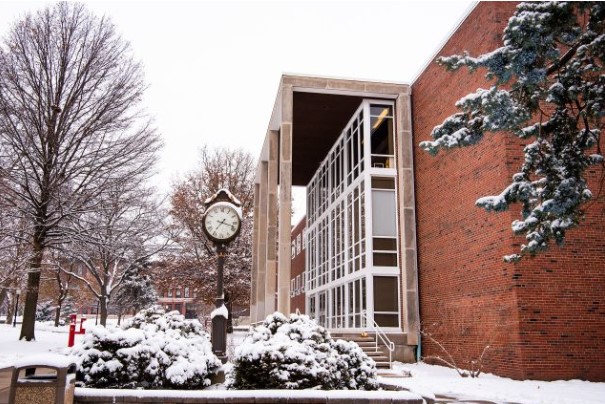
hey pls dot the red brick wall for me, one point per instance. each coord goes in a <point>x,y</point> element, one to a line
<point>543,318</point>
<point>298,268</point>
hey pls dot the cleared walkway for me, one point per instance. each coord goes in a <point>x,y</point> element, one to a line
<point>5,383</point>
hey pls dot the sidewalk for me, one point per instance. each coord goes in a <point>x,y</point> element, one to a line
<point>5,382</point>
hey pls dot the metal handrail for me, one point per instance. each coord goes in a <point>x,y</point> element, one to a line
<point>383,337</point>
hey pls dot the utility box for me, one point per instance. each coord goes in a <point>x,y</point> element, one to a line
<point>43,379</point>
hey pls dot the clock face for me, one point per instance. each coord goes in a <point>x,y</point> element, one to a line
<point>221,222</point>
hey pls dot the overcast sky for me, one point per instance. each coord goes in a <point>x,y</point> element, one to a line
<point>213,67</point>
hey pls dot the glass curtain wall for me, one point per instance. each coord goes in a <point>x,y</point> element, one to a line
<point>352,261</point>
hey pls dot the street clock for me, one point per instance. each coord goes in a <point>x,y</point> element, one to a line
<point>223,219</point>
<point>221,222</point>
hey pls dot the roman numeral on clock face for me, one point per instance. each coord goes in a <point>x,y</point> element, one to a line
<point>221,222</point>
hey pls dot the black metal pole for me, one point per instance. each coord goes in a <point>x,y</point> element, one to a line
<point>219,323</point>
<point>220,293</point>
<point>16,311</point>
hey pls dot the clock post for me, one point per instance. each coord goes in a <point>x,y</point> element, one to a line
<point>219,321</point>
<point>221,224</point>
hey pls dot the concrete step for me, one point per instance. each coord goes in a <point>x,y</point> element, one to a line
<point>353,337</point>
<point>377,355</point>
<point>364,342</point>
<point>372,348</point>
<point>368,346</point>
<point>380,352</point>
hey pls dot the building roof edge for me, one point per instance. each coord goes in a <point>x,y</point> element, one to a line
<point>444,41</point>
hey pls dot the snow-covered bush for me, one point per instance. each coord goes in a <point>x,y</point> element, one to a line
<point>296,353</point>
<point>152,350</point>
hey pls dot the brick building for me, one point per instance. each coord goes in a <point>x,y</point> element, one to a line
<point>544,317</point>
<point>297,272</point>
<point>393,237</point>
<point>182,298</point>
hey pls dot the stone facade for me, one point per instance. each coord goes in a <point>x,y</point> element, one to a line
<point>278,170</point>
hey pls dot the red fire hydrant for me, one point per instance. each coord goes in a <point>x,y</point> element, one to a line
<point>72,329</point>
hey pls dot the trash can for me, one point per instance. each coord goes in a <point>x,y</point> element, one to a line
<point>43,379</point>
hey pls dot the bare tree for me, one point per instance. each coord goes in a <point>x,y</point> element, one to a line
<point>56,282</point>
<point>192,260</point>
<point>122,234</point>
<point>14,255</point>
<point>70,123</point>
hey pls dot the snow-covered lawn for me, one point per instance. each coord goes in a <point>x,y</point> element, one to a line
<point>48,339</point>
<point>425,378</point>
<point>445,381</point>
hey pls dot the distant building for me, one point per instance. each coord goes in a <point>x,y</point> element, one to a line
<point>297,274</point>
<point>183,299</point>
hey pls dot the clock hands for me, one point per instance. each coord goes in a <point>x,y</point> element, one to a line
<point>224,221</point>
<point>215,217</point>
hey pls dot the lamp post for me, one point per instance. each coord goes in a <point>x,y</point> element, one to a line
<point>16,308</point>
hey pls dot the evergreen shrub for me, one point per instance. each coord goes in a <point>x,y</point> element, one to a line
<point>297,353</point>
<point>153,350</point>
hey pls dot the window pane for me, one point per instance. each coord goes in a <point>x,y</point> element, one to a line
<point>385,244</point>
<point>383,183</point>
<point>385,260</point>
<point>383,213</point>
<point>381,110</point>
<point>382,136</point>
<point>387,320</point>
<point>385,294</point>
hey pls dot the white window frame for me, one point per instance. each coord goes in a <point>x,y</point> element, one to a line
<point>321,266</point>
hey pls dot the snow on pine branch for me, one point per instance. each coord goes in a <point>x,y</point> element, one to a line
<point>547,84</point>
<point>484,111</point>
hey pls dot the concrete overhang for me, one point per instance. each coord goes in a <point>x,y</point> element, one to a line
<point>321,108</point>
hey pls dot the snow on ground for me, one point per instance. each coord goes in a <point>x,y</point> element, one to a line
<point>51,339</point>
<point>425,378</point>
<point>445,381</point>
<point>48,339</point>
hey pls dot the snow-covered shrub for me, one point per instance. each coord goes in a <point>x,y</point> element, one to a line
<point>296,353</point>
<point>152,350</point>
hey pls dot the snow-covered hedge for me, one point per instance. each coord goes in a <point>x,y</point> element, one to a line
<point>296,353</point>
<point>152,350</point>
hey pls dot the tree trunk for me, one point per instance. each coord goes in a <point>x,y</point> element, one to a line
<point>63,291</point>
<point>3,294</point>
<point>119,315</point>
<point>57,314</point>
<point>10,307</point>
<point>31,295</point>
<point>103,308</point>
